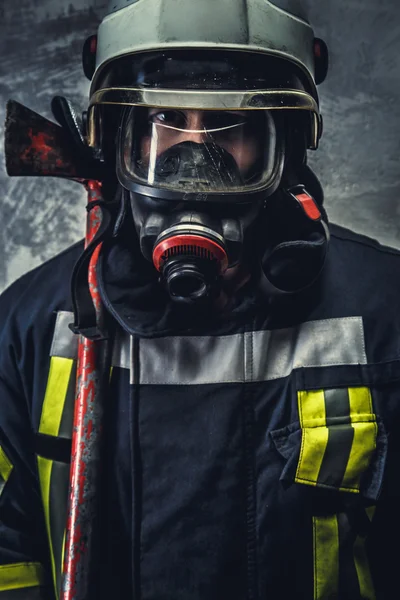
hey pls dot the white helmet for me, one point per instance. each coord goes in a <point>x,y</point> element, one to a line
<point>214,55</point>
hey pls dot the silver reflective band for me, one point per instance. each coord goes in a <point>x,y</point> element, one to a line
<point>247,357</point>
<point>206,99</point>
<point>65,343</point>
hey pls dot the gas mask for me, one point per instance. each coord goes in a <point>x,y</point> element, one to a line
<point>200,186</point>
<point>197,182</point>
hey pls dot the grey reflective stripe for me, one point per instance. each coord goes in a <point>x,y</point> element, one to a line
<point>121,351</point>
<point>253,356</point>
<point>314,344</point>
<point>192,360</point>
<point>65,343</point>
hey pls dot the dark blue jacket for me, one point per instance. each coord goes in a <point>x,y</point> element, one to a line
<point>248,457</point>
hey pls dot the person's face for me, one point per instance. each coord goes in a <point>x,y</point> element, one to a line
<point>233,131</point>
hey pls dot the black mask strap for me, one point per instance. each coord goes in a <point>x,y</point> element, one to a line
<point>85,316</point>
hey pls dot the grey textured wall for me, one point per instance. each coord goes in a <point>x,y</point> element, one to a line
<point>358,162</point>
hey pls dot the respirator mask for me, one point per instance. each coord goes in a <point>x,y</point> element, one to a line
<point>205,140</point>
<point>197,181</point>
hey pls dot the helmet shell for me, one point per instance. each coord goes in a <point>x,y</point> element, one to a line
<point>276,29</point>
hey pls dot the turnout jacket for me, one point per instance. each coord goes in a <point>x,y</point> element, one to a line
<point>248,457</point>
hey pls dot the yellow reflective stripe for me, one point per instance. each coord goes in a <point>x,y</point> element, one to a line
<point>314,436</point>
<point>367,591</point>
<point>53,406</point>
<point>20,575</point>
<point>5,465</point>
<point>364,441</point>
<point>326,557</point>
<point>45,467</point>
<point>360,402</point>
<point>57,386</point>
<point>364,444</point>
<point>63,550</point>
<point>313,445</point>
<point>312,409</point>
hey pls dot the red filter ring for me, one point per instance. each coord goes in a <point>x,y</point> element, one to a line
<point>194,245</point>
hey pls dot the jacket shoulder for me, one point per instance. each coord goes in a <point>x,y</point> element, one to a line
<point>361,279</point>
<point>348,238</point>
<point>27,319</point>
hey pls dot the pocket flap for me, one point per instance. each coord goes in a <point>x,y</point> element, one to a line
<point>338,444</point>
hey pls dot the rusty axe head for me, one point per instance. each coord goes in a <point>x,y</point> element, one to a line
<point>35,146</point>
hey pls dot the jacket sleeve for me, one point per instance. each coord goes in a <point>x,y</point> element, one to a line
<point>24,561</point>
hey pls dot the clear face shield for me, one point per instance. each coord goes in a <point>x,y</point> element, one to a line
<point>191,151</point>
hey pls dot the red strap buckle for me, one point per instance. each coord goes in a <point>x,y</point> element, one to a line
<point>309,206</point>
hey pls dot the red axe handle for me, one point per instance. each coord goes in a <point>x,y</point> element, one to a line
<point>92,382</point>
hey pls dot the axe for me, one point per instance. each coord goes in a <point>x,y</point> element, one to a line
<point>36,146</point>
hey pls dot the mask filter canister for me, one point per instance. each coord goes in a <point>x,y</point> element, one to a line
<point>190,262</point>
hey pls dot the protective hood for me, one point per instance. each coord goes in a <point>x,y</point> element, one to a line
<point>131,291</point>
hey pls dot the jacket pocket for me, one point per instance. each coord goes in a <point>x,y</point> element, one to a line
<point>339,443</point>
<point>337,451</point>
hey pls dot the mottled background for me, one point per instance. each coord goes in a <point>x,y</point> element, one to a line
<point>358,162</point>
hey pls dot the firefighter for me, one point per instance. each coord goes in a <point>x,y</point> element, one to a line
<point>251,439</point>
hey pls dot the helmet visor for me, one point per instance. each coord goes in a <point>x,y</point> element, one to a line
<point>198,151</point>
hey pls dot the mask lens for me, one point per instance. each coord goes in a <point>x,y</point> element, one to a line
<point>199,151</point>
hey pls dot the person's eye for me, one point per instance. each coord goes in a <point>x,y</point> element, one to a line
<point>172,118</point>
